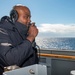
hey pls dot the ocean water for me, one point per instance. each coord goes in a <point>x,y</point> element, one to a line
<point>56,43</point>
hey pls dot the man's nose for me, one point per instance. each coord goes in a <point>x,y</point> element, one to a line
<point>29,20</point>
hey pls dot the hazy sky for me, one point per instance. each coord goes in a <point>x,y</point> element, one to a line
<point>54,18</point>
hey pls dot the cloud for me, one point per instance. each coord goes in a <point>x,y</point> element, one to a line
<point>57,28</point>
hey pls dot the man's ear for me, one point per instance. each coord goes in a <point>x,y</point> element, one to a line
<point>14,15</point>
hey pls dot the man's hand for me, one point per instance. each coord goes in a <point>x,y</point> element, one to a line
<point>32,32</point>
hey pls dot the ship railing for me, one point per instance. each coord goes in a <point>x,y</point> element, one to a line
<point>57,56</point>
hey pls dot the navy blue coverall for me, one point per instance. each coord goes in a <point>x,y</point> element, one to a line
<point>15,49</point>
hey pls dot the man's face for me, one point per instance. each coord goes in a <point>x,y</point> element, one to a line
<point>24,17</point>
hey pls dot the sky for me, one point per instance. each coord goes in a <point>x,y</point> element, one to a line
<point>53,18</point>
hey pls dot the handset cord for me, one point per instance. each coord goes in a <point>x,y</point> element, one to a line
<point>38,48</point>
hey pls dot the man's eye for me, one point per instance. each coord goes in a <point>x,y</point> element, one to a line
<point>25,17</point>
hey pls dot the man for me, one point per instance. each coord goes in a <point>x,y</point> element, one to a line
<point>16,40</point>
